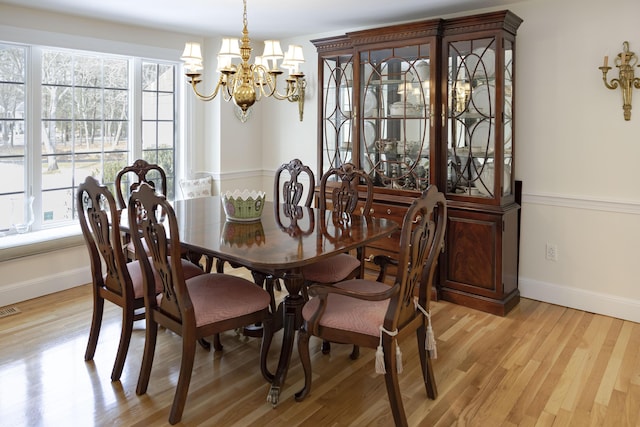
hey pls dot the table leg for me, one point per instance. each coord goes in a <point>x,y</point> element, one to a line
<point>291,309</point>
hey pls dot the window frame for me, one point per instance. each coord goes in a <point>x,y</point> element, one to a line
<point>42,233</point>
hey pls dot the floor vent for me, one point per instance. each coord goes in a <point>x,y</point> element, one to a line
<point>8,311</point>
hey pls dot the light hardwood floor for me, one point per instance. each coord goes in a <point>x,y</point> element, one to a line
<point>541,365</point>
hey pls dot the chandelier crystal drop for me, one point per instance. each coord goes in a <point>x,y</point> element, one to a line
<point>246,83</point>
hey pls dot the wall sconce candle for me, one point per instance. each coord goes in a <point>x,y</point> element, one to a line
<point>625,61</point>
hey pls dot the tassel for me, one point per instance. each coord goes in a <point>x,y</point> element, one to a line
<point>380,366</point>
<point>380,369</point>
<point>430,339</point>
<point>398,359</point>
<point>430,343</point>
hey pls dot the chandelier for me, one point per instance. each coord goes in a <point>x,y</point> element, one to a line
<point>246,83</point>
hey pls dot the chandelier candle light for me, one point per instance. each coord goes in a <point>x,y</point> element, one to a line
<point>625,61</point>
<point>247,83</point>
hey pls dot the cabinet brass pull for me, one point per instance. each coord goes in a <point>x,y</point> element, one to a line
<point>369,258</point>
<point>388,211</point>
<point>444,116</point>
<point>431,117</point>
<point>418,219</point>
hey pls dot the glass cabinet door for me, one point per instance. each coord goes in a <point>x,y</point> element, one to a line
<point>479,118</point>
<point>394,121</point>
<point>338,111</point>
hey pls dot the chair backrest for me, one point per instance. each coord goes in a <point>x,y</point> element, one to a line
<point>421,240</point>
<point>100,224</point>
<point>156,223</point>
<point>287,184</point>
<point>150,173</point>
<point>345,197</point>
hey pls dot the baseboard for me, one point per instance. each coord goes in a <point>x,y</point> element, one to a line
<point>593,302</point>
<point>41,286</point>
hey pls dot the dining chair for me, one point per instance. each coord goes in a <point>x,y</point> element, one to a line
<point>373,314</point>
<point>193,308</point>
<point>289,184</point>
<point>339,192</point>
<point>294,182</point>
<point>128,179</point>
<point>113,278</point>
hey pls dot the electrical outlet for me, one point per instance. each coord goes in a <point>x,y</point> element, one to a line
<point>552,252</point>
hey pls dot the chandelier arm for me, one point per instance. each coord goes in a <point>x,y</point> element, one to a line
<point>194,83</point>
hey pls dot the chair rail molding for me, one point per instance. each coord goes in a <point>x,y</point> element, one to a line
<point>576,202</point>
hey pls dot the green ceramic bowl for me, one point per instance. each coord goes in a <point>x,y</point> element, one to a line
<point>243,205</point>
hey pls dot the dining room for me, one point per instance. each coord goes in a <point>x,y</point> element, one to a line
<point>575,159</point>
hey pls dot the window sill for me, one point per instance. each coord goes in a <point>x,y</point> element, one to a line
<point>20,245</point>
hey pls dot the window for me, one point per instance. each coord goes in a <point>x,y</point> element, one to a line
<point>79,121</point>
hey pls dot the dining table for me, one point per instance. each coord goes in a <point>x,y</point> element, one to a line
<point>276,246</point>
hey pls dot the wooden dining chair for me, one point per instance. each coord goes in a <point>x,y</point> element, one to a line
<point>373,314</point>
<point>340,192</point>
<point>289,184</point>
<point>128,179</point>
<point>113,278</point>
<point>192,308</point>
<point>294,183</point>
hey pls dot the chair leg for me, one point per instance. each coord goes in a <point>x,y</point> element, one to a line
<point>305,359</point>
<point>217,343</point>
<point>96,322</point>
<point>427,367</point>
<point>326,347</point>
<point>151,335</point>
<point>355,353</point>
<point>393,388</point>
<point>267,336</point>
<point>182,389</point>
<point>123,346</point>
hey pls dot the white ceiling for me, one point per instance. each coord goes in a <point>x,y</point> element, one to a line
<point>266,18</point>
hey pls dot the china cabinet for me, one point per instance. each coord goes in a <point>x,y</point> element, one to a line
<point>431,102</point>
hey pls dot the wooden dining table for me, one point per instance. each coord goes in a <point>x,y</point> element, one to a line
<point>276,246</point>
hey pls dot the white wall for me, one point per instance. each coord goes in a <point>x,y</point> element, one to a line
<point>576,155</point>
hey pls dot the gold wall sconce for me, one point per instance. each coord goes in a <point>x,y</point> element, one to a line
<point>625,61</point>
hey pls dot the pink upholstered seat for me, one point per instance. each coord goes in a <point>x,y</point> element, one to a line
<point>331,270</point>
<point>349,314</point>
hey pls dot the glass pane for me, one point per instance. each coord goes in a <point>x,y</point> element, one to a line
<point>12,167</point>
<point>87,71</point>
<point>116,73</point>
<point>57,172</point>
<point>57,68</point>
<point>149,106</point>
<point>116,104</point>
<point>472,117</point>
<point>149,135</point>
<point>395,104</point>
<point>57,206</point>
<point>87,103</point>
<point>508,122</point>
<point>149,76</point>
<point>165,106</point>
<point>167,78</point>
<point>88,137</point>
<point>338,108</point>
<point>165,135</point>
<point>56,102</point>
<point>12,138</point>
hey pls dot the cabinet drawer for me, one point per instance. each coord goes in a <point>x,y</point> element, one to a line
<point>392,212</point>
